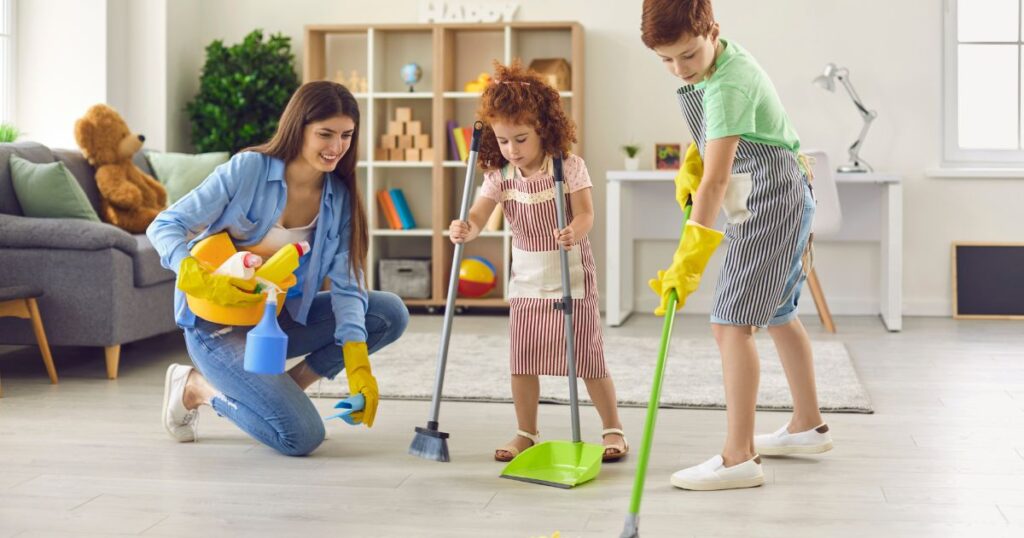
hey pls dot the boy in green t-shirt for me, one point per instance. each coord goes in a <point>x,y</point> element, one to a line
<point>745,161</point>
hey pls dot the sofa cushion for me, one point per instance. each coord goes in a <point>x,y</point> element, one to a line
<point>30,151</point>
<point>148,270</point>
<point>182,172</point>
<point>49,191</point>
<point>83,172</point>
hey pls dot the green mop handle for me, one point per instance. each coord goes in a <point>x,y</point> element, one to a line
<point>653,402</point>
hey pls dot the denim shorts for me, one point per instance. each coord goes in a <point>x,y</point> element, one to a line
<point>795,281</point>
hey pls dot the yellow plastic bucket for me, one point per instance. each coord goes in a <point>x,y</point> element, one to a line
<point>213,251</point>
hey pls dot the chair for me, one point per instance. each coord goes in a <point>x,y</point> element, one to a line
<point>20,302</point>
<point>828,218</point>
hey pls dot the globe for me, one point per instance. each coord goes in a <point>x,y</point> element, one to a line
<point>411,74</point>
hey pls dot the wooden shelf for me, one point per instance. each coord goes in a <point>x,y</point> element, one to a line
<point>403,164</point>
<point>450,55</point>
<point>402,95</point>
<point>417,232</point>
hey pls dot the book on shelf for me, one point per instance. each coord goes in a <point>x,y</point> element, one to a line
<point>387,209</point>
<point>460,142</point>
<point>453,148</point>
<point>402,208</point>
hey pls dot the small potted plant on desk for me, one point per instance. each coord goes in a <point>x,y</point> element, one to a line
<point>631,162</point>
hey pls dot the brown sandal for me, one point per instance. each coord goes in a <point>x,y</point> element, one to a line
<point>615,453</point>
<point>500,454</point>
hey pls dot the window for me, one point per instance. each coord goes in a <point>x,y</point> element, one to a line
<point>7,61</point>
<point>983,100</point>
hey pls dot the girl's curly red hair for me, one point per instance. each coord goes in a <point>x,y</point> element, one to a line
<point>519,96</point>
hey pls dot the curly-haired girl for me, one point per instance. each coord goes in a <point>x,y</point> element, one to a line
<point>524,125</point>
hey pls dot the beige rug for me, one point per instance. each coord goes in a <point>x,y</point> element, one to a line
<point>478,370</point>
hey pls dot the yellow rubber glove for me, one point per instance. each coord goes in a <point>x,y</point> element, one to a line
<point>688,178</point>
<point>361,380</point>
<point>197,280</point>
<point>695,249</point>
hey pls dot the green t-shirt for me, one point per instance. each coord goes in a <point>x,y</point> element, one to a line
<point>739,99</point>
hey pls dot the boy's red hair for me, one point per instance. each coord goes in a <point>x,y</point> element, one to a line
<point>665,21</point>
<point>521,97</point>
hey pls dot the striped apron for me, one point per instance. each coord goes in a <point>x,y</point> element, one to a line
<point>535,285</point>
<point>763,205</point>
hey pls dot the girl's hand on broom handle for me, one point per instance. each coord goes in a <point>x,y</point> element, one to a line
<point>462,231</point>
<point>565,237</point>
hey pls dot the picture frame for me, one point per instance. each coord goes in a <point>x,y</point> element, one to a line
<point>667,156</point>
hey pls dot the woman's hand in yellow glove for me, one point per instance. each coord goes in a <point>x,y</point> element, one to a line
<point>691,258</point>
<point>361,381</point>
<point>197,280</point>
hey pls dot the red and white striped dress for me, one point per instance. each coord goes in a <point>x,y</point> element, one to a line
<point>537,330</point>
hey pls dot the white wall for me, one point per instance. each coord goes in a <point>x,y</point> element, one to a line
<point>62,66</point>
<point>73,54</point>
<point>893,50</point>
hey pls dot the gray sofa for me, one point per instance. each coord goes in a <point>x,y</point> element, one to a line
<point>102,286</point>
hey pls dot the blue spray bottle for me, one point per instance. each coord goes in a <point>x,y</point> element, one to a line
<point>266,345</point>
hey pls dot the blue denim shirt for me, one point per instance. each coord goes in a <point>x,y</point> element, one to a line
<point>245,197</point>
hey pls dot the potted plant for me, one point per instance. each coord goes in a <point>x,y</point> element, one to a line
<point>8,133</point>
<point>632,162</point>
<point>242,92</point>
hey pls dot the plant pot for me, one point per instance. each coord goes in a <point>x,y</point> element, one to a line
<point>632,163</point>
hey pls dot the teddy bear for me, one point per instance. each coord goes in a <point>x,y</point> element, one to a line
<point>130,198</point>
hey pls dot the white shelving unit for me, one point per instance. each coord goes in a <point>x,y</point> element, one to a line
<point>450,55</point>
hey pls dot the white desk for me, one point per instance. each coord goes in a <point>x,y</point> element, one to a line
<point>872,206</point>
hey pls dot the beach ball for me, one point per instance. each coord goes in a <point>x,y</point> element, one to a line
<point>476,277</point>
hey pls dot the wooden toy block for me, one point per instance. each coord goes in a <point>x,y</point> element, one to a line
<point>389,141</point>
<point>382,154</point>
<point>396,128</point>
<point>412,154</point>
<point>427,154</point>
<point>413,128</point>
<point>405,142</point>
<point>403,114</point>
<point>421,141</point>
<point>397,154</point>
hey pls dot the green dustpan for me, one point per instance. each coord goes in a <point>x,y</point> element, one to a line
<point>561,464</point>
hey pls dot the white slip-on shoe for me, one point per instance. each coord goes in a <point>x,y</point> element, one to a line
<point>179,422</point>
<point>714,475</point>
<point>783,443</point>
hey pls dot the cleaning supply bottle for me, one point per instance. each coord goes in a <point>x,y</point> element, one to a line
<point>283,263</point>
<point>266,345</point>
<point>241,266</point>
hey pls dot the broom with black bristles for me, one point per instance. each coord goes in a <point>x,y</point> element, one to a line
<point>431,443</point>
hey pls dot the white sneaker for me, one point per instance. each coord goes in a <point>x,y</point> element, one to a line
<point>783,443</point>
<point>714,475</point>
<point>179,422</point>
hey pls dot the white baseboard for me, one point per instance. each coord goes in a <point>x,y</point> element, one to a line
<point>840,306</point>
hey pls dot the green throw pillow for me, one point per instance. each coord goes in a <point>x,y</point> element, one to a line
<point>49,191</point>
<point>182,172</point>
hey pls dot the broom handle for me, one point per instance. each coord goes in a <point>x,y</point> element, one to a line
<point>566,304</point>
<point>453,279</point>
<point>654,401</point>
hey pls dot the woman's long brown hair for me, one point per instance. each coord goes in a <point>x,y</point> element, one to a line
<point>318,101</point>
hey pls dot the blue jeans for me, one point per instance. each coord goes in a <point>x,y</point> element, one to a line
<point>795,281</point>
<point>272,408</point>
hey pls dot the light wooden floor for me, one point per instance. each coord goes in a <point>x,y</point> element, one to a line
<point>942,456</point>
